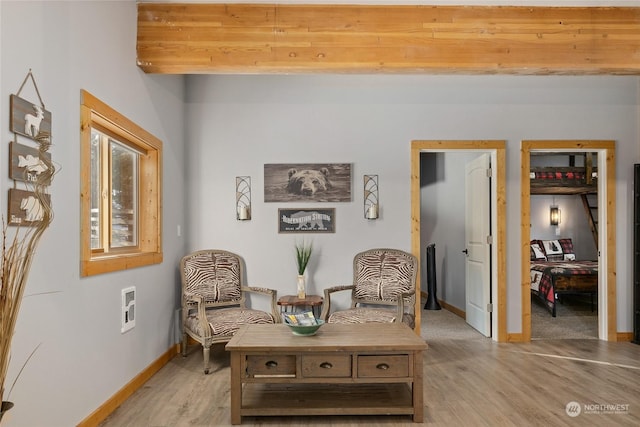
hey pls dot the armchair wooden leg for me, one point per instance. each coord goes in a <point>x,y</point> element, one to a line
<point>206,351</point>
<point>184,344</point>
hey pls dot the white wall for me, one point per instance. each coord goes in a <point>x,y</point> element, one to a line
<point>83,359</point>
<point>236,124</point>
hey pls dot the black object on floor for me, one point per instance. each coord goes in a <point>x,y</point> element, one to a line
<point>432,299</point>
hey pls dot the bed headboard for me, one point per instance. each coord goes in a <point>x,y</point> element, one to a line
<point>552,250</point>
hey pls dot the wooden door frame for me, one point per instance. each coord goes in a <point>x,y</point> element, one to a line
<point>498,150</point>
<point>607,236</point>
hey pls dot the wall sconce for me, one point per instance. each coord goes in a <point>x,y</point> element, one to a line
<point>371,204</point>
<point>243,198</point>
<point>554,215</point>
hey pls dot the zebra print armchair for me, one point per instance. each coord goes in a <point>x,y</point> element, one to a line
<point>214,299</point>
<point>383,289</point>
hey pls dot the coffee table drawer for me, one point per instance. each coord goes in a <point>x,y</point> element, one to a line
<point>383,366</point>
<point>326,365</point>
<point>271,365</point>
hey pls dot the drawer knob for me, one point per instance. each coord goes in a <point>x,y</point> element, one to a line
<point>271,364</point>
<point>326,365</point>
<point>382,366</point>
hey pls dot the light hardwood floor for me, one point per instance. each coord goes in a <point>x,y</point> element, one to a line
<point>468,382</point>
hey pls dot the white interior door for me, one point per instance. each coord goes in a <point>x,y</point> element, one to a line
<point>478,249</point>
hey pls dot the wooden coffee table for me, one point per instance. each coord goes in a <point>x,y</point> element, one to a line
<point>358,369</point>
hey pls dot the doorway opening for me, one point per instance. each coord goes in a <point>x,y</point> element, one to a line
<point>496,152</point>
<point>606,289</point>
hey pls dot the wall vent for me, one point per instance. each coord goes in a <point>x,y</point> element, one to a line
<point>128,309</point>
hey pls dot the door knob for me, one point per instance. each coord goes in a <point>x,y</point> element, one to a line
<point>466,252</point>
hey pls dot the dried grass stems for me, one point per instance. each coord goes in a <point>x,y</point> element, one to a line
<point>18,249</point>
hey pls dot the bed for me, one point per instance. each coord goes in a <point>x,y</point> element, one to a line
<point>555,272</point>
<point>566,180</point>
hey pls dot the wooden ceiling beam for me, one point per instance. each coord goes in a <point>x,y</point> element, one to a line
<point>178,38</point>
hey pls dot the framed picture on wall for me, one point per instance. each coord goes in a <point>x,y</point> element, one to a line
<point>25,163</point>
<point>307,220</point>
<point>24,207</point>
<point>308,182</point>
<point>29,119</point>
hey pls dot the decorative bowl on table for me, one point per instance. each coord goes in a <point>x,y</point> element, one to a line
<point>305,330</point>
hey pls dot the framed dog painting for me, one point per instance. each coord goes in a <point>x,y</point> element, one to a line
<point>309,182</point>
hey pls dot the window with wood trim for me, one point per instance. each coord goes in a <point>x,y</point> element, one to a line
<point>120,191</point>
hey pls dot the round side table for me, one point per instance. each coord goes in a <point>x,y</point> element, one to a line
<point>291,303</point>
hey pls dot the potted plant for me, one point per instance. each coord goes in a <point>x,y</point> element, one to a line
<point>303,254</point>
<point>17,254</point>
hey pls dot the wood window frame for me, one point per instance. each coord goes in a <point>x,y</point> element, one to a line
<point>94,112</point>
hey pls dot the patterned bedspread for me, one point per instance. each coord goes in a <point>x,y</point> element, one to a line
<point>544,274</point>
<point>570,175</point>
